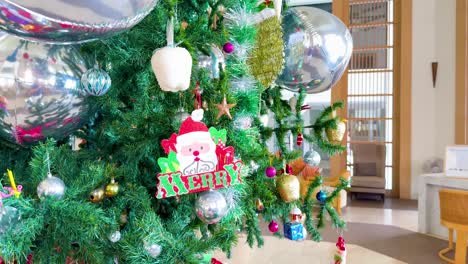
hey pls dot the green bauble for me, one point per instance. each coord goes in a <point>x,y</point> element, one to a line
<point>267,57</point>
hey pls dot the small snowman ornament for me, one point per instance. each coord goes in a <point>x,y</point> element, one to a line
<point>172,65</point>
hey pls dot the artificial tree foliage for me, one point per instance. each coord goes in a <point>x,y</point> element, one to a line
<point>122,141</point>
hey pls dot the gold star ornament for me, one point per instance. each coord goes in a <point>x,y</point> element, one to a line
<point>224,108</point>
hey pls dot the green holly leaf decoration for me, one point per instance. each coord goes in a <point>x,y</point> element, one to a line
<point>338,258</point>
<point>169,164</point>
<point>218,136</point>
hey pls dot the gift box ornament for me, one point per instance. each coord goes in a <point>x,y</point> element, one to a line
<point>294,231</point>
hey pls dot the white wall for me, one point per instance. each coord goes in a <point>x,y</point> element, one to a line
<point>433,116</point>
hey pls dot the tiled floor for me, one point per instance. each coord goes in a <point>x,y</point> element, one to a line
<point>403,218</point>
<point>397,213</point>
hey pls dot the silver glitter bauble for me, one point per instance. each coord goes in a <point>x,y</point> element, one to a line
<point>318,47</point>
<point>70,21</point>
<point>211,207</point>
<point>312,158</point>
<point>154,250</point>
<point>9,218</point>
<point>40,93</point>
<point>242,122</point>
<point>51,187</point>
<point>115,236</point>
<point>96,82</point>
<point>212,62</point>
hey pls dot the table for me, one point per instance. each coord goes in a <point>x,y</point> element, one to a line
<point>280,251</point>
<point>428,201</point>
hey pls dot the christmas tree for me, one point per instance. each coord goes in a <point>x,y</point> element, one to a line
<point>114,207</point>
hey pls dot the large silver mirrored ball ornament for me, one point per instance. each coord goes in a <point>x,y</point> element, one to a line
<point>211,207</point>
<point>66,21</point>
<point>212,62</point>
<point>318,47</point>
<point>51,187</point>
<point>312,158</point>
<point>40,94</point>
<point>9,218</point>
<point>154,250</point>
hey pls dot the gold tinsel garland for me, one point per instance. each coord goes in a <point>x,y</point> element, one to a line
<point>266,61</point>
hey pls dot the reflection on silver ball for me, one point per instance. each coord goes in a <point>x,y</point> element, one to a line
<point>40,90</point>
<point>51,187</point>
<point>211,207</point>
<point>154,250</point>
<point>212,62</point>
<point>318,47</point>
<point>9,218</point>
<point>312,158</point>
<point>115,236</point>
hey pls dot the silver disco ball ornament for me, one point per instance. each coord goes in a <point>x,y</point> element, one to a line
<point>40,94</point>
<point>67,21</point>
<point>318,47</point>
<point>211,207</point>
<point>9,218</point>
<point>312,158</point>
<point>51,187</point>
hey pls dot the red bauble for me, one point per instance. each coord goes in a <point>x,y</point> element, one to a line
<point>273,226</point>
<point>299,139</point>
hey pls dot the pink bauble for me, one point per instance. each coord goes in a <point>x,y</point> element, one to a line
<point>228,47</point>
<point>273,226</point>
<point>270,172</point>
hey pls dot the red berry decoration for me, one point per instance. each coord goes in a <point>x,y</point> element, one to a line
<point>273,226</point>
<point>299,139</point>
<point>270,172</point>
<point>228,47</point>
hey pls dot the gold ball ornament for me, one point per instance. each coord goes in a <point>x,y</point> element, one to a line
<point>112,189</point>
<point>259,205</point>
<point>288,187</point>
<point>335,136</point>
<point>97,195</point>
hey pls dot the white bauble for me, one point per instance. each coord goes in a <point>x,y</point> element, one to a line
<point>172,67</point>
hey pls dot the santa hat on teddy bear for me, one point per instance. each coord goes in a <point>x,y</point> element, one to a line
<point>192,129</point>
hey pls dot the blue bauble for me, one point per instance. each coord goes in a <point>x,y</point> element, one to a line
<point>321,196</point>
<point>96,82</point>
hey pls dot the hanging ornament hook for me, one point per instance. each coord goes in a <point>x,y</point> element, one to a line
<point>49,174</point>
<point>170,32</point>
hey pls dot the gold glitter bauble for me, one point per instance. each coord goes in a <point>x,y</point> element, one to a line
<point>266,60</point>
<point>288,187</point>
<point>335,136</point>
<point>97,195</point>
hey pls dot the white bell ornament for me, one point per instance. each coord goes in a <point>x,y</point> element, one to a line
<point>172,65</point>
